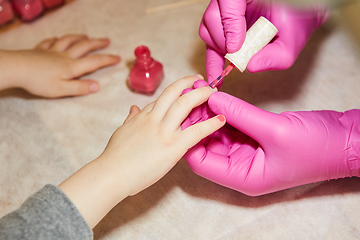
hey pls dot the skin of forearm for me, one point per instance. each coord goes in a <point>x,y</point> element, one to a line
<point>9,69</point>
<point>95,189</point>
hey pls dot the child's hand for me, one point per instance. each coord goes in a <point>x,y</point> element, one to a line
<point>51,68</point>
<point>141,151</point>
<point>151,141</point>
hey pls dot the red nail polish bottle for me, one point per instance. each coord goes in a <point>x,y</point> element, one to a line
<point>28,10</point>
<point>6,12</point>
<point>146,74</point>
<point>52,3</point>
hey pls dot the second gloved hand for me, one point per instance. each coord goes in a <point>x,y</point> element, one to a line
<point>260,152</point>
<point>224,24</point>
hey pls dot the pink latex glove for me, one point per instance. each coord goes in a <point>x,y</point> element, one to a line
<point>263,152</point>
<point>224,24</point>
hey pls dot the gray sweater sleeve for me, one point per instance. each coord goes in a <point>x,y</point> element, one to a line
<point>48,214</point>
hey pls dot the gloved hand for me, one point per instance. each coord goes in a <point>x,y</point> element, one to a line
<point>263,152</point>
<point>224,24</point>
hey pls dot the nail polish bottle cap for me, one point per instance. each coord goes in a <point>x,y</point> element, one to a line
<point>143,57</point>
<point>257,37</point>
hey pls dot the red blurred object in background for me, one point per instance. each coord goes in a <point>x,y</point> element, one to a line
<point>146,74</point>
<point>6,12</point>
<point>28,10</point>
<point>52,3</point>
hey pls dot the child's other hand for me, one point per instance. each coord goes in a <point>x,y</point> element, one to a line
<point>51,69</point>
<point>151,141</point>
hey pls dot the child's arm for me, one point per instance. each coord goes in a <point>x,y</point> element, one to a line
<point>141,151</point>
<point>51,69</point>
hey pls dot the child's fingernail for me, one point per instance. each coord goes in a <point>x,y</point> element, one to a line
<point>94,87</point>
<point>221,118</point>
<point>214,89</point>
<point>131,109</point>
<point>199,76</point>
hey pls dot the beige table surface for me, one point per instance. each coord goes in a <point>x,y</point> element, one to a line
<point>44,141</point>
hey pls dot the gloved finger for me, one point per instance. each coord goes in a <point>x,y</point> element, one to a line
<point>218,147</point>
<point>225,141</point>
<point>215,62</point>
<point>186,91</point>
<point>274,56</point>
<point>212,23</point>
<point>197,84</point>
<point>257,123</point>
<point>200,83</point>
<point>231,136</point>
<point>206,37</point>
<point>234,23</point>
<point>195,133</point>
<point>212,166</point>
<point>234,171</point>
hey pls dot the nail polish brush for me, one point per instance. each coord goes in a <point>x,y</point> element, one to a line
<point>224,73</point>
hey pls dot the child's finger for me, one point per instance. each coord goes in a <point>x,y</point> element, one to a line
<point>93,62</point>
<point>197,84</point>
<point>183,106</point>
<point>46,44</point>
<point>66,41</point>
<point>149,107</point>
<point>132,112</point>
<point>171,94</point>
<point>83,47</point>
<point>72,88</point>
<point>193,134</point>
